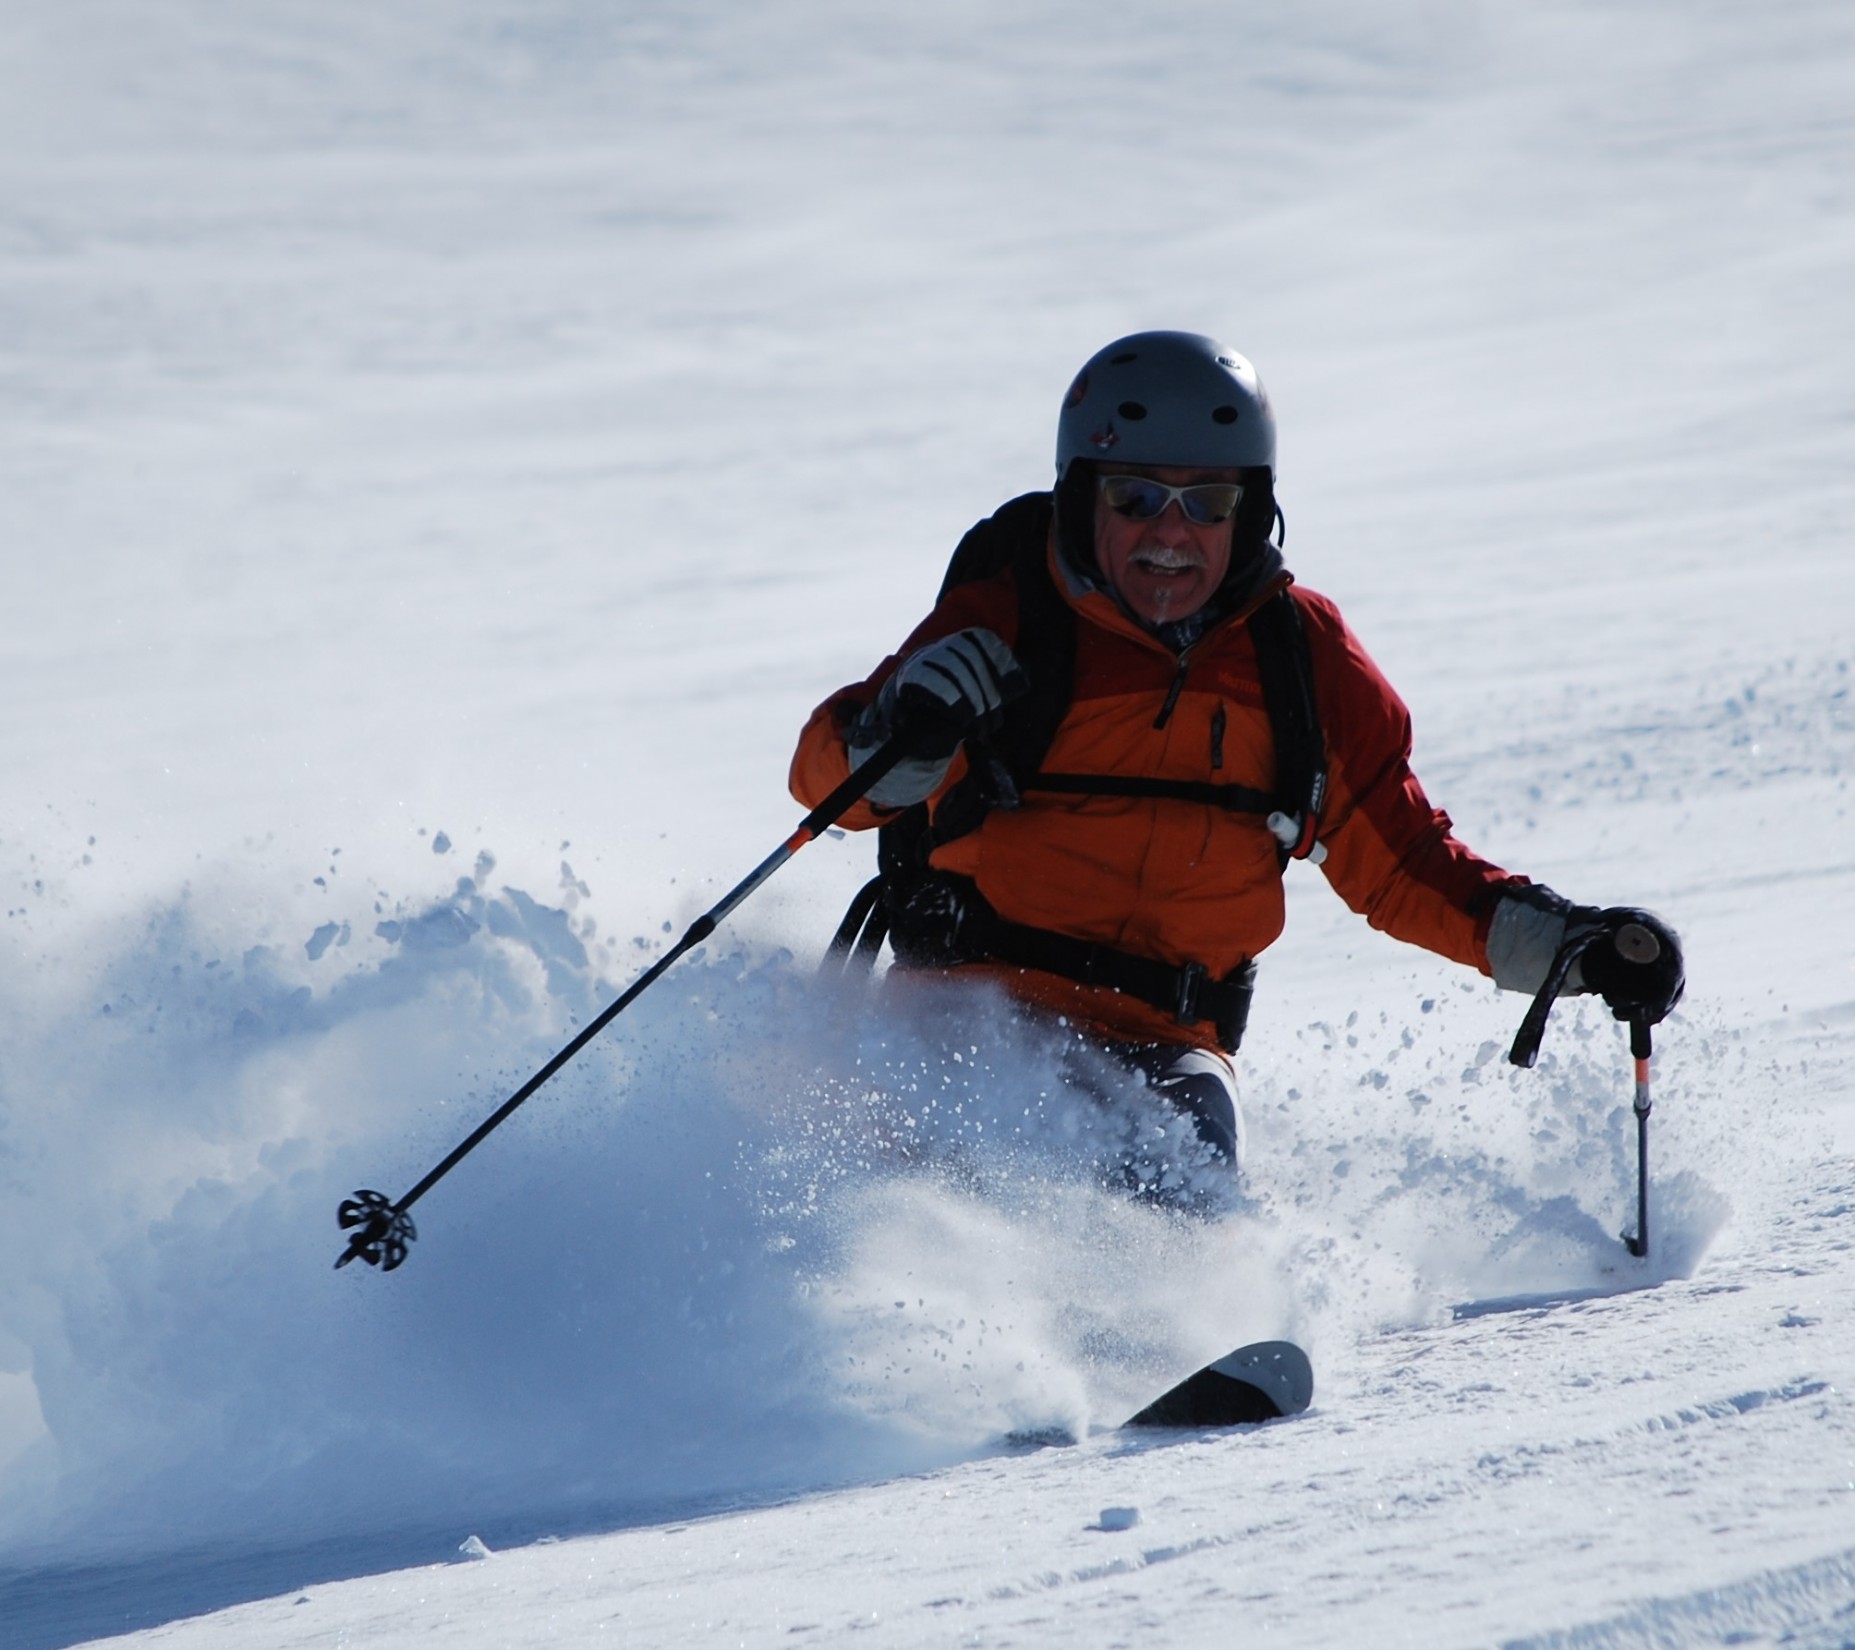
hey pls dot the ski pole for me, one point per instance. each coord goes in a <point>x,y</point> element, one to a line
<point>1639,945</point>
<point>1641,1048</point>
<point>383,1230</point>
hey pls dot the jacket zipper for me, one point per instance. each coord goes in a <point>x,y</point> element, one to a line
<point>1217,737</point>
<point>1172,693</point>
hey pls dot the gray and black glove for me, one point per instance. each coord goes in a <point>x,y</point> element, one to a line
<point>1628,956</point>
<point>932,701</point>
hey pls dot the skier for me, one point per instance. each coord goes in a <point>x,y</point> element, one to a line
<point>1124,718</point>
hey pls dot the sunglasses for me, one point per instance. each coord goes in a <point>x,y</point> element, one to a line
<point>1205,503</point>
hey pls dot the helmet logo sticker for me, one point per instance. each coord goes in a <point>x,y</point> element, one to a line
<point>1077,390</point>
<point>1104,438</point>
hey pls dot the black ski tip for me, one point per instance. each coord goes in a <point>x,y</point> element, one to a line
<point>382,1230</point>
<point>1261,1382</point>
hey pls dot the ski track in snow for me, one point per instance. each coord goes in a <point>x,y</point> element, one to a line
<point>476,439</point>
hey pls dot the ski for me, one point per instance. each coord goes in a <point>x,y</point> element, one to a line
<point>1261,1382</point>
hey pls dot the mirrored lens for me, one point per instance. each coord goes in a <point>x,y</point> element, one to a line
<point>1134,496</point>
<point>1215,501</point>
<point>1142,499</point>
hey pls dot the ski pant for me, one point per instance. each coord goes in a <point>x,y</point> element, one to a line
<point>1198,1082</point>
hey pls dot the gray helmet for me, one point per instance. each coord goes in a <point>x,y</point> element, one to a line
<point>1167,398</point>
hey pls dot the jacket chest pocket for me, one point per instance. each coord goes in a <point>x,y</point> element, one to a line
<point>1231,744</point>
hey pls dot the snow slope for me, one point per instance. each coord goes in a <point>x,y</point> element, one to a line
<point>446,452</point>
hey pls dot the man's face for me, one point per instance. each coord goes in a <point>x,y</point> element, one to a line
<point>1167,568</point>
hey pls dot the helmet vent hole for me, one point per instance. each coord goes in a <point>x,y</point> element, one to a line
<point>1132,411</point>
<point>1123,358</point>
<point>1223,415</point>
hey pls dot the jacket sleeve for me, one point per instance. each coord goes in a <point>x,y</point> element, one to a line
<point>822,761</point>
<point>1390,855</point>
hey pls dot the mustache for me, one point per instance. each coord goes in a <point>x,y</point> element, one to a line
<point>1167,555</point>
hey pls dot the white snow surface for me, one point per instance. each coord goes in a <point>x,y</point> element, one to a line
<point>446,450</point>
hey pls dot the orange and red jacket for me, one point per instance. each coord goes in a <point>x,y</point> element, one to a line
<point>1179,881</point>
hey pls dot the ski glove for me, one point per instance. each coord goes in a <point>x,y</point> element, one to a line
<point>932,701</point>
<point>1629,957</point>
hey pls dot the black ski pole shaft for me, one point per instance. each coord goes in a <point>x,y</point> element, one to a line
<point>1641,1048</point>
<point>382,1229</point>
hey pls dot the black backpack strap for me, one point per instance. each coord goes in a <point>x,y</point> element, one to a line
<point>943,921</point>
<point>860,935</point>
<point>1014,537</point>
<point>1002,762</point>
<point>1286,667</point>
<point>1238,799</point>
<point>1002,540</point>
<point>1046,648</point>
<point>902,845</point>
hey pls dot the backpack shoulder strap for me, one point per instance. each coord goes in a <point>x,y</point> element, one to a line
<point>1014,539</point>
<point>1000,541</point>
<point>1285,664</point>
<point>1004,758</point>
<point>1046,648</point>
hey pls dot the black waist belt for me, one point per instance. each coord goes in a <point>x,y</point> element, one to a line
<point>945,920</point>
